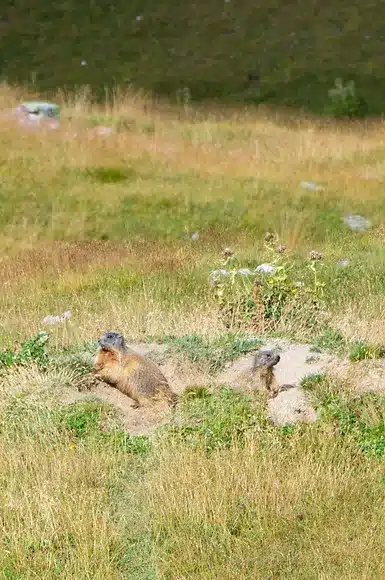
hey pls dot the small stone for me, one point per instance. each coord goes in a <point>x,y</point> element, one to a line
<point>216,275</point>
<point>103,131</point>
<point>266,269</point>
<point>312,359</point>
<point>269,237</point>
<point>84,63</point>
<point>343,264</point>
<point>356,223</point>
<point>195,236</point>
<point>310,186</point>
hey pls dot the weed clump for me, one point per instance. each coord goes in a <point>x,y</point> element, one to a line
<point>271,296</point>
<point>344,100</point>
<point>330,340</point>
<point>31,351</point>
<point>361,350</point>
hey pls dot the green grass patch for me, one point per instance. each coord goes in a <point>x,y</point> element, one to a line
<point>213,421</point>
<point>361,350</point>
<point>31,351</point>
<point>213,354</point>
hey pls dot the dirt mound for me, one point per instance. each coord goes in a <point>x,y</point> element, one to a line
<point>289,407</point>
<point>135,421</point>
<point>297,361</point>
<point>365,376</point>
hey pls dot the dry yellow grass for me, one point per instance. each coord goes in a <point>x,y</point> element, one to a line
<point>310,508</point>
<point>118,253</point>
<point>226,145</point>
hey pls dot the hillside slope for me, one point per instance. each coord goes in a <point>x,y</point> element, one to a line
<point>297,48</point>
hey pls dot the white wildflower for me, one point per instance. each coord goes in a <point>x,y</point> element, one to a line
<point>52,320</point>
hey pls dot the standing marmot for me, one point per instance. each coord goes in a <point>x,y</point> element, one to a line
<point>130,373</point>
<point>262,372</point>
<point>261,375</point>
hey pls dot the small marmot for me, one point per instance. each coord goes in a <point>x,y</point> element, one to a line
<point>132,374</point>
<point>262,373</point>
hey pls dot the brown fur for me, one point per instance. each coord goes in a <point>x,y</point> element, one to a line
<point>265,379</point>
<point>132,374</point>
<point>262,372</point>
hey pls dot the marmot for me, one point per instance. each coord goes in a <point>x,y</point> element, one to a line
<point>131,373</point>
<point>262,373</point>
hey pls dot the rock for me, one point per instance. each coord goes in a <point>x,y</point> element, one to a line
<point>215,276</point>
<point>343,264</point>
<point>265,269</point>
<point>311,186</point>
<point>103,131</point>
<point>41,108</point>
<point>151,350</point>
<point>35,114</point>
<point>356,223</point>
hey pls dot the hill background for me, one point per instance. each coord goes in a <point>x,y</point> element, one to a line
<point>297,48</point>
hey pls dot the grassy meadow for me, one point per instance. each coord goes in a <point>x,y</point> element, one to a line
<point>123,230</point>
<point>293,52</point>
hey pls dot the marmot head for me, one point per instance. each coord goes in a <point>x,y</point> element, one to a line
<point>112,340</point>
<point>266,359</point>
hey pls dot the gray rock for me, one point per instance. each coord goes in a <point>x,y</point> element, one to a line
<point>310,186</point>
<point>343,264</point>
<point>265,269</point>
<point>356,223</point>
<point>216,275</point>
